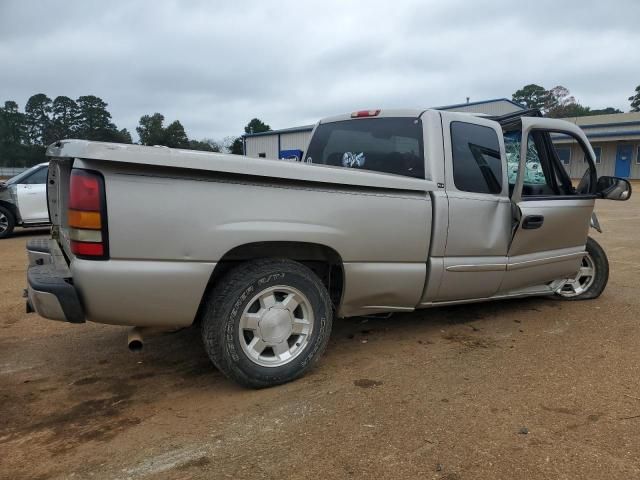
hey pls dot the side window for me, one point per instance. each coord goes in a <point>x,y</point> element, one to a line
<point>533,174</point>
<point>568,150</point>
<point>36,178</point>
<point>598,152</point>
<point>564,154</point>
<point>547,163</point>
<point>477,166</point>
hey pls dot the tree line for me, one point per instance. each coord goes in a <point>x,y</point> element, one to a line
<point>558,102</point>
<point>24,135</point>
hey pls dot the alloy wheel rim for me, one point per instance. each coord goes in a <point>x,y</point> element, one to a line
<point>4,223</point>
<point>275,326</point>
<point>582,281</point>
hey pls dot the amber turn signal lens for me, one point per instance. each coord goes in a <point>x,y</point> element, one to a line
<point>82,219</point>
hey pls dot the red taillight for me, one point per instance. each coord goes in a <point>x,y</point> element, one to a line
<point>84,191</point>
<point>87,249</point>
<point>87,217</point>
<point>365,113</point>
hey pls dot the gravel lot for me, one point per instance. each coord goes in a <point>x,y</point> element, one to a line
<point>520,389</point>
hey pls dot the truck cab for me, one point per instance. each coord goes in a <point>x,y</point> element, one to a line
<point>506,221</point>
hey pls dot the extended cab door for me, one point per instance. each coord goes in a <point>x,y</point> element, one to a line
<point>551,219</point>
<point>479,228</point>
<point>32,197</point>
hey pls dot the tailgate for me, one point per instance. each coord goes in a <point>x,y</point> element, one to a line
<point>57,199</point>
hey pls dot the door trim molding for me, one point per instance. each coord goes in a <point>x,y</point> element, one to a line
<point>543,261</point>
<point>489,267</point>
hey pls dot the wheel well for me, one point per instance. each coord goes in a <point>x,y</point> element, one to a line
<point>325,262</point>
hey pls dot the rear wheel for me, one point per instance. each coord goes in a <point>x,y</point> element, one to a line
<point>267,323</point>
<point>7,222</point>
<point>592,277</point>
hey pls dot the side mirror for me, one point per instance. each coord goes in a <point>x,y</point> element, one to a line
<point>613,188</point>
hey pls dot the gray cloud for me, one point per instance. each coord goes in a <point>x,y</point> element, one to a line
<point>215,65</point>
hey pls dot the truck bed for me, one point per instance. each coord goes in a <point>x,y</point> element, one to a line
<point>159,156</point>
<point>174,215</point>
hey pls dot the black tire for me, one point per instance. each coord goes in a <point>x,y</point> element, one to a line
<point>227,302</point>
<point>6,230</point>
<point>601,266</point>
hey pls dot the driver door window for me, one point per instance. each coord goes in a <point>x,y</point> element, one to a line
<point>533,171</point>
<point>544,174</point>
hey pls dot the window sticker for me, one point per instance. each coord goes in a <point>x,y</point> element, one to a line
<point>353,160</point>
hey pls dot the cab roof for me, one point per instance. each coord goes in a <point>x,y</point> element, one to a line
<point>390,112</point>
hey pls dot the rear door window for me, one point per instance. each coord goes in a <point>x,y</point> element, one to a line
<point>387,145</point>
<point>477,165</point>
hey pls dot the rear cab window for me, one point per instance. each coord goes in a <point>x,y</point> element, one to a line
<point>387,145</point>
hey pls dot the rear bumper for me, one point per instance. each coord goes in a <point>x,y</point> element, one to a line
<point>39,251</point>
<point>50,290</point>
<point>142,293</point>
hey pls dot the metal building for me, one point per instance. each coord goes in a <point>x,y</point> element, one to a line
<point>277,143</point>
<point>292,142</point>
<point>496,106</point>
<point>615,140</point>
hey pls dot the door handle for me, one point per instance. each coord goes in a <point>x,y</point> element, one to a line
<point>532,221</point>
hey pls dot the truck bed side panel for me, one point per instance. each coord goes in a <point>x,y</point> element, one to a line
<point>163,215</point>
<point>169,227</point>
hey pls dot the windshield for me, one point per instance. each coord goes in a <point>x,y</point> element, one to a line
<point>387,145</point>
<point>18,178</point>
<point>533,173</point>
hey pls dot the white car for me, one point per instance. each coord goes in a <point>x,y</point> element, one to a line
<point>23,200</point>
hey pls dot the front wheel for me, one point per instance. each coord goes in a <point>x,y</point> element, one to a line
<point>592,277</point>
<point>267,322</point>
<point>7,222</point>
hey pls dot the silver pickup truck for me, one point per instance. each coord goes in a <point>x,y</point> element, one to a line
<point>389,211</point>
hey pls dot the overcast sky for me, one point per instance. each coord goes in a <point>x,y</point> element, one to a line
<point>215,65</point>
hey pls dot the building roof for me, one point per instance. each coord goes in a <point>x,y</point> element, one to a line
<point>615,126</point>
<point>480,102</point>
<point>609,119</point>
<point>303,128</point>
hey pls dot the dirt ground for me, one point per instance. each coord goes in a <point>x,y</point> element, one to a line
<point>519,389</point>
